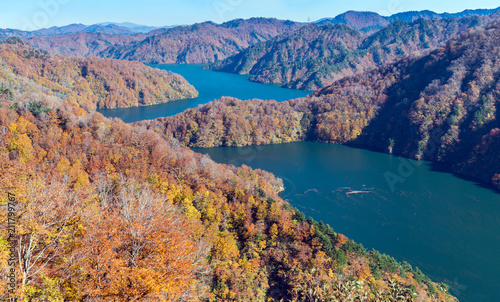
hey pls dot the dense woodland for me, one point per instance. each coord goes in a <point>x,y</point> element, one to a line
<point>75,39</point>
<point>440,107</point>
<point>316,56</point>
<point>109,211</point>
<point>363,21</point>
<point>103,28</point>
<point>90,82</point>
<point>81,44</point>
<point>369,22</point>
<point>200,43</point>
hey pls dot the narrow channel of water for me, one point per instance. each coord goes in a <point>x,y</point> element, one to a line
<point>211,85</point>
<point>448,227</point>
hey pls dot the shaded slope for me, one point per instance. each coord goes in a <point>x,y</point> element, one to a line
<point>365,21</point>
<point>316,56</point>
<point>91,82</point>
<point>290,57</point>
<point>369,22</point>
<point>118,213</point>
<point>81,44</point>
<point>440,107</point>
<point>201,43</point>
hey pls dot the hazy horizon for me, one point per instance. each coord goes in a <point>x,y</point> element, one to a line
<point>34,15</point>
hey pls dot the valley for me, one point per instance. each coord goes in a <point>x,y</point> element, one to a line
<point>352,158</point>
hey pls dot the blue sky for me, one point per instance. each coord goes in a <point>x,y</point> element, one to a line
<point>34,14</point>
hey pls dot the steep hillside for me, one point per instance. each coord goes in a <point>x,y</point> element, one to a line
<point>82,44</point>
<point>293,56</point>
<point>317,56</point>
<point>106,211</point>
<point>135,28</point>
<point>9,32</point>
<point>440,107</point>
<point>200,43</point>
<point>61,30</point>
<point>415,15</point>
<point>426,14</point>
<point>91,82</point>
<point>365,21</point>
<point>110,29</point>
<point>471,12</point>
<point>369,22</point>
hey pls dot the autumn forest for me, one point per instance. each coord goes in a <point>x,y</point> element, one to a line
<point>101,210</point>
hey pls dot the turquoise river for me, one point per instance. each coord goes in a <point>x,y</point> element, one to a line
<point>447,226</point>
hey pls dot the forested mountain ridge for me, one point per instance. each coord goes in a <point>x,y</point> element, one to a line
<point>106,28</point>
<point>362,21</point>
<point>200,43</point>
<point>109,211</point>
<point>309,59</point>
<point>294,56</point>
<point>414,15</point>
<point>81,44</point>
<point>136,28</point>
<point>371,21</point>
<point>439,107</point>
<point>77,39</point>
<point>91,82</point>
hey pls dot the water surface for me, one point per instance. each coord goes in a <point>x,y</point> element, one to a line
<point>447,226</point>
<point>211,85</point>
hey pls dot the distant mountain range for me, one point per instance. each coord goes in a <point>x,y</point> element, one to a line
<point>135,28</point>
<point>318,55</point>
<point>80,40</point>
<point>110,28</point>
<point>200,43</point>
<point>370,21</point>
<point>81,44</point>
<point>363,21</point>
<point>209,42</point>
